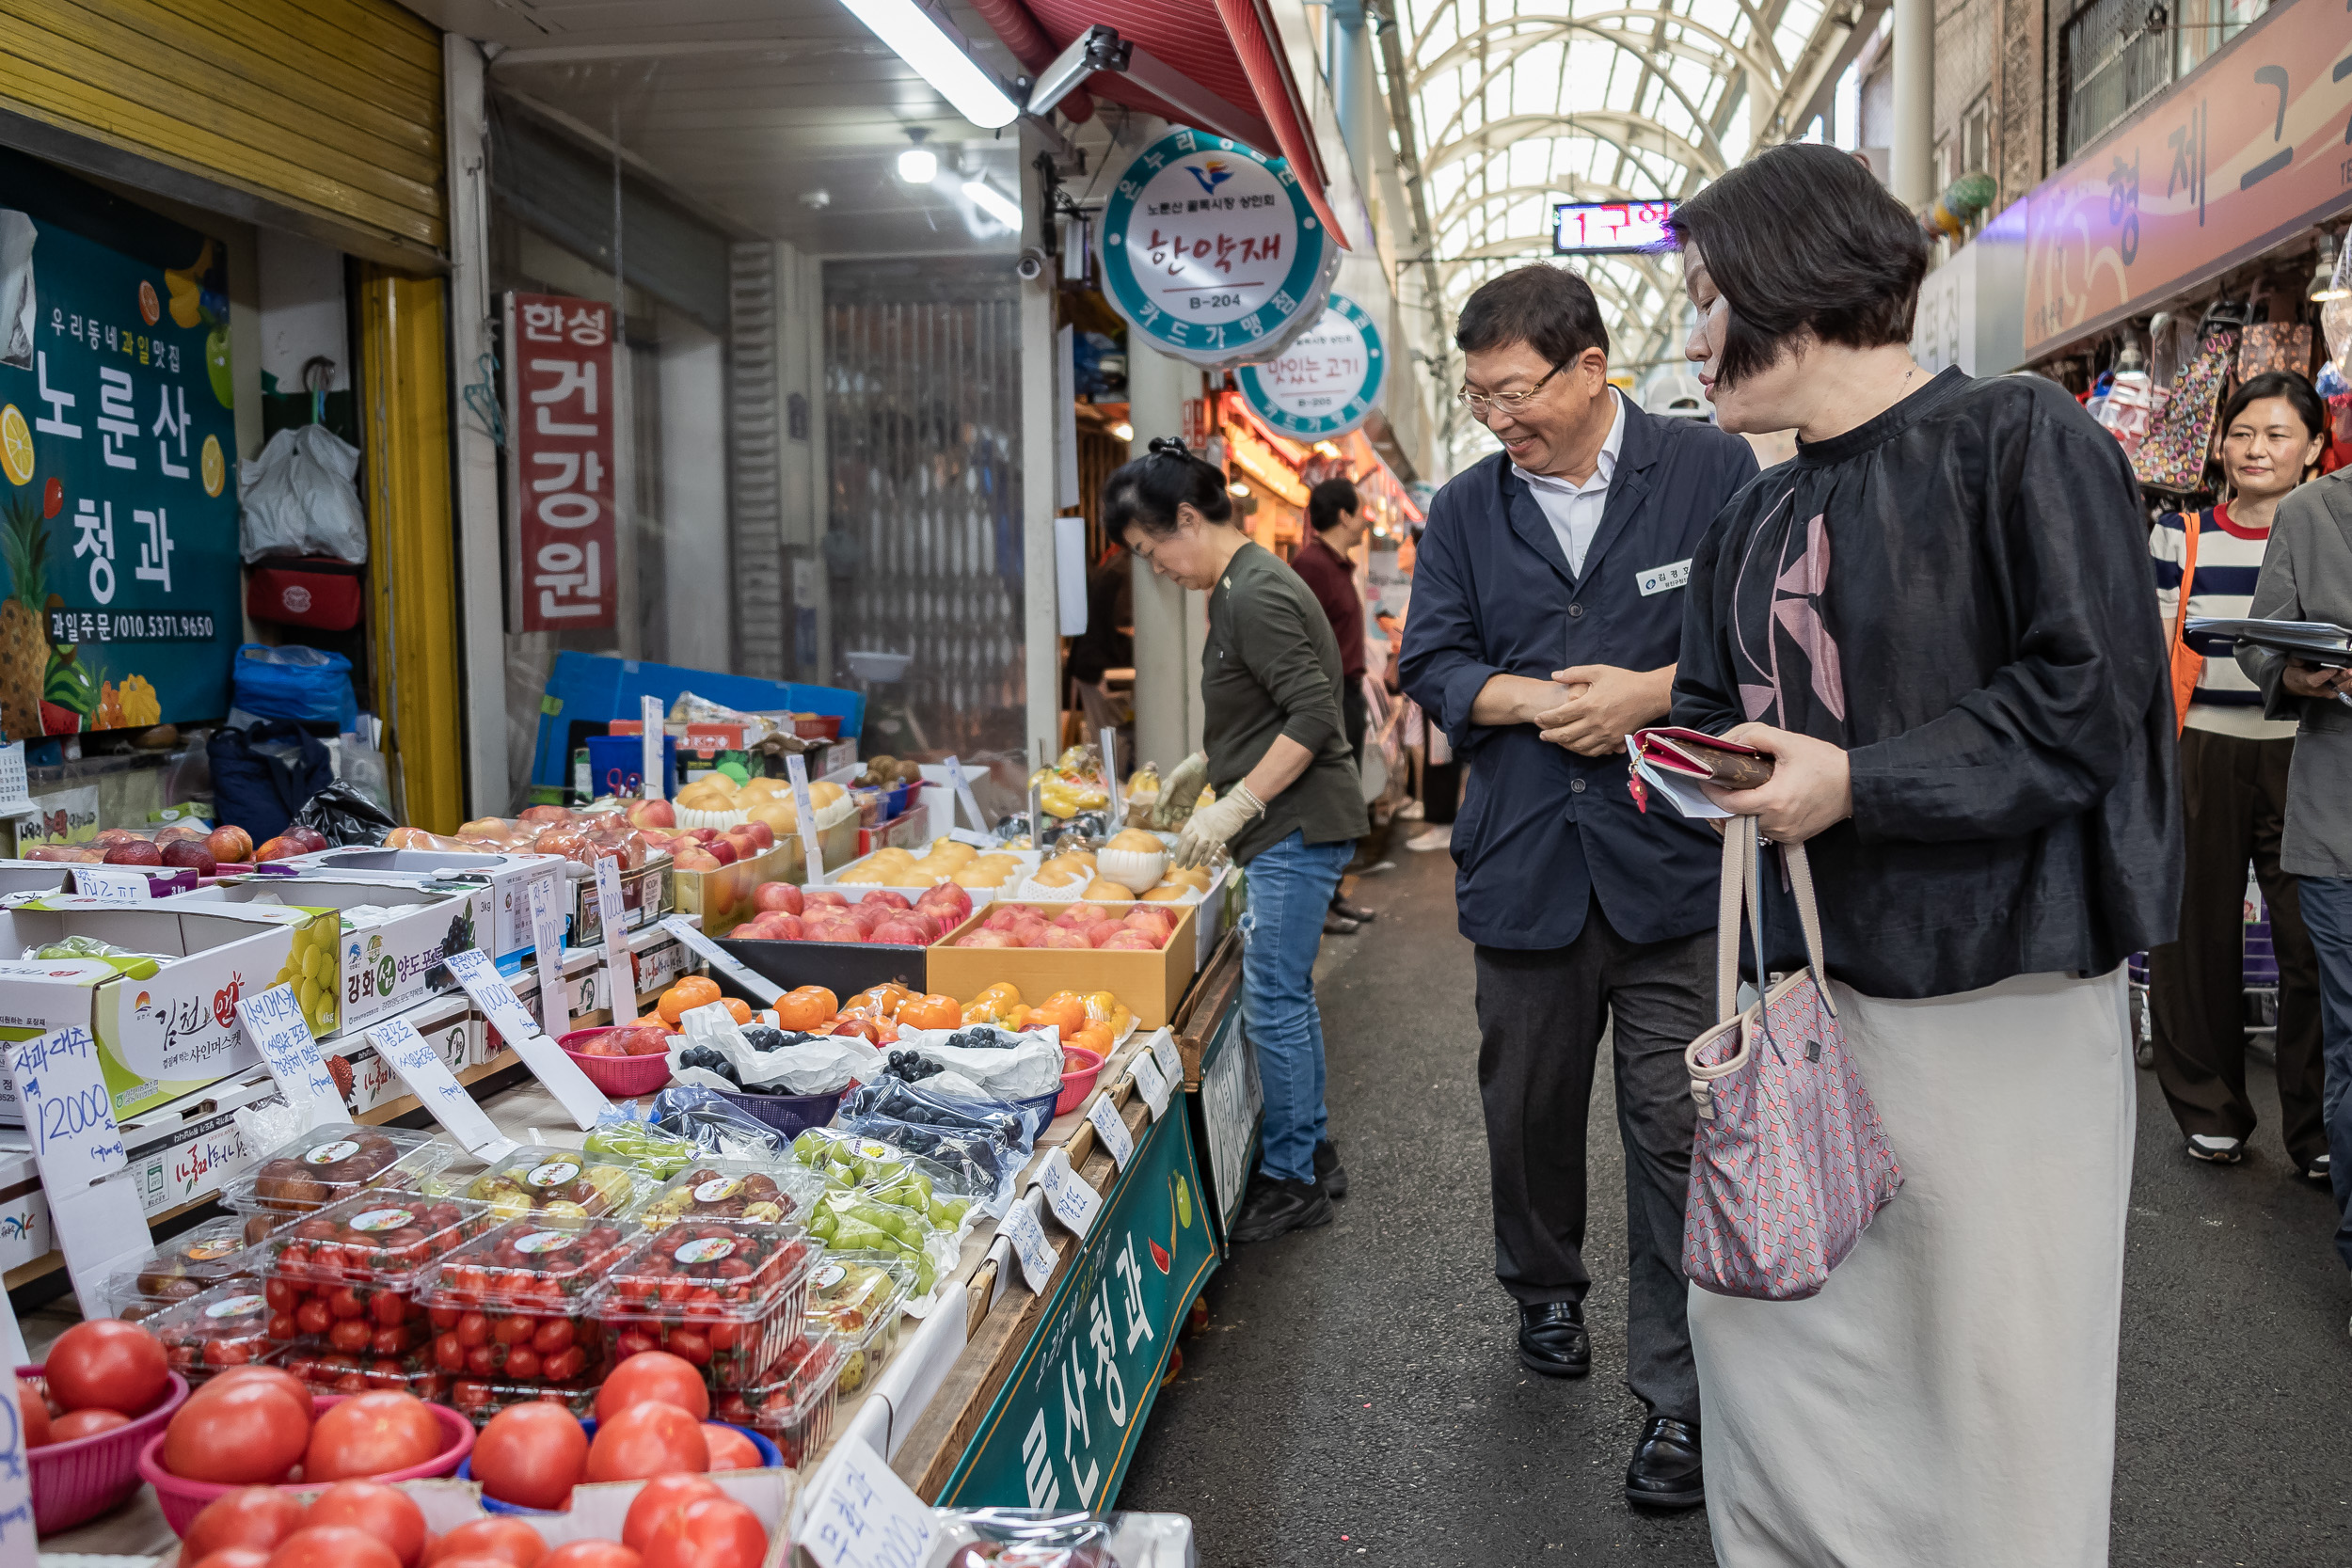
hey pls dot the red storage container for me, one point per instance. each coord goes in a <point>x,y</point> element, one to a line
<point>313,591</point>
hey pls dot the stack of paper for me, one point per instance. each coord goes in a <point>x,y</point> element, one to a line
<point>2313,641</point>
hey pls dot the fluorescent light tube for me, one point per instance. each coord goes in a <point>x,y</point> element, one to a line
<point>918,38</point>
<point>996,204</point>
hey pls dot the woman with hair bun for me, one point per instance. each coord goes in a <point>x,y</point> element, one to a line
<point>1288,804</point>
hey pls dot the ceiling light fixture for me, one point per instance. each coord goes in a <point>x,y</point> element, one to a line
<point>996,204</point>
<point>2328,281</point>
<point>926,41</point>
<point>919,165</point>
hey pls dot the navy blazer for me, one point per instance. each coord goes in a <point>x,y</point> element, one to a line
<point>1542,829</point>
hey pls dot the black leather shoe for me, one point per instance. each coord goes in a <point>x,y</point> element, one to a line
<point>1355,912</point>
<point>1276,1207</point>
<point>1552,1340</point>
<point>1338,924</point>
<point>1665,1470</point>
<point>1329,1174</point>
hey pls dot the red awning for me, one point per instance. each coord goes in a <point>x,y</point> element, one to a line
<point>1225,47</point>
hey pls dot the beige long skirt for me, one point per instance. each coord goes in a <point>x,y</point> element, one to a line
<point>1948,1399</point>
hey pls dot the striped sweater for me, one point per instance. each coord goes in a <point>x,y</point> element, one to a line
<point>2229,558</point>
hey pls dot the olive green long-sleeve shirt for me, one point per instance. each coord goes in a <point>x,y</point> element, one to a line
<point>1271,667</point>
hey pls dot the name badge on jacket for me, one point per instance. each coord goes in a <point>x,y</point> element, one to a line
<point>1657,579</point>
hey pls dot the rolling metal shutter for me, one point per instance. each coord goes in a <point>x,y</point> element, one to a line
<point>326,114</point>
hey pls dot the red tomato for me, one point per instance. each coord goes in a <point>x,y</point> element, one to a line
<point>384,1511</point>
<point>657,1375</point>
<point>277,1376</point>
<point>506,1539</point>
<point>372,1434</point>
<point>656,1499</point>
<point>87,1422</point>
<point>249,1432</point>
<point>591,1553</point>
<point>729,1448</point>
<point>708,1532</point>
<point>531,1455</point>
<point>255,1517</point>
<point>649,1439</point>
<point>231,1557</point>
<point>107,1363</point>
<point>332,1546</point>
<point>34,1411</point>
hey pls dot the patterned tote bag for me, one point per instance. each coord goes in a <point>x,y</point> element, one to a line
<point>1790,1163</point>
<point>2172,454</point>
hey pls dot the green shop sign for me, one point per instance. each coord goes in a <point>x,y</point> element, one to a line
<point>1064,1426</point>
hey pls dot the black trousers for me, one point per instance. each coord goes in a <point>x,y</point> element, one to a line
<point>1356,716</point>
<point>2233,795</point>
<point>1541,1014</point>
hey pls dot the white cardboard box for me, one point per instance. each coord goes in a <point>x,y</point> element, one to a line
<point>506,932</point>
<point>382,969</point>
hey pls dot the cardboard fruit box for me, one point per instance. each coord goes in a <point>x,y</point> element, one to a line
<point>506,934</point>
<point>370,972</point>
<point>724,897</point>
<point>1150,983</point>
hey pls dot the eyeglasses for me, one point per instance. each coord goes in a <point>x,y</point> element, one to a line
<point>1480,404</point>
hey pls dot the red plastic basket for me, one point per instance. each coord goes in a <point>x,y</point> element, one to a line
<point>626,1076</point>
<point>182,1500</point>
<point>1080,1068</point>
<point>76,1480</point>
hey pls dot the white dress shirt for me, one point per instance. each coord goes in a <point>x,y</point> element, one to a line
<point>1574,510</point>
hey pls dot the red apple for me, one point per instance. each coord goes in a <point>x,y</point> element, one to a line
<point>229,846</point>
<point>763,833</point>
<point>311,840</point>
<point>746,841</point>
<point>953,903</point>
<point>785,927</point>
<point>1130,942</point>
<point>1062,936</point>
<point>828,896</point>
<point>882,898</point>
<point>721,851</point>
<point>191,851</point>
<point>174,833</point>
<point>701,835</point>
<point>277,849</point>
<point>1004,917</point>
<point>134,851</point>
<point>868,917</point>
<point>899,933</point>
<point>983,939</point>
<point>694,860</point>
<point>777,896</point>
<point>545,814</point>
<point>652,814</point>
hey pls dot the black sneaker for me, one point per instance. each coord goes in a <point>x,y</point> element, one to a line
<point>2215,1150</point>
<point>2321,1171</point>
<point>1276,1207</point>
<point>1332,1177</point>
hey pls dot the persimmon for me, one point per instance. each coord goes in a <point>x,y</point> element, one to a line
<point>930,1012</point>
<point>808,1008</point>
<point>1063,1009</point>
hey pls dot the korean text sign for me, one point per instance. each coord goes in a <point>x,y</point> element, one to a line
<point>559,456</point>
<point>118,516</point>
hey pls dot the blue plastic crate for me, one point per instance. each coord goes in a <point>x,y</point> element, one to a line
<point>586,688</point>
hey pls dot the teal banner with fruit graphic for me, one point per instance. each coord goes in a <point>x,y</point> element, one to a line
<point>1064,1426</point>
<point>119,514</point>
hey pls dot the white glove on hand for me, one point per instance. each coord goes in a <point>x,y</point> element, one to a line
<point>1215,825</point>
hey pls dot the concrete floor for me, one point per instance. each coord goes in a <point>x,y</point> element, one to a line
<point>1356,1397</point>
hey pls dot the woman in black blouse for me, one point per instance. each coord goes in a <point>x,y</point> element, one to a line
<point>1936,617</point>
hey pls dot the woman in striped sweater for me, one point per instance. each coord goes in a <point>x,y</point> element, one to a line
<point>2233,787</point>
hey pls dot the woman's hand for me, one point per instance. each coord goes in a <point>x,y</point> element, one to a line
<point>2310,680</point>
<point>1810,789</point>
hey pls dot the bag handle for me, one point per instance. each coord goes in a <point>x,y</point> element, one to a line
<point>1741,897</point>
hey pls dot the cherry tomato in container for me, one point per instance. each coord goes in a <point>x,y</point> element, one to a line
<point>531,1455</point>
<point>385,1513</point>
<point>649,1439</point>
<point>257,1517</point>
<point>107,1364</point>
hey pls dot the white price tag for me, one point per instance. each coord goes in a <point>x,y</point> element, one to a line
<point>275,1027</point>
<point>112,887</point>
<point>1074,1202</point>
<point>412,1056</point>
<point>1021,1227</point>
<point>93,1206</point>
<point>1170,1060</point>
<point>547,934</point>
<point>556,1071</point>
<point>621,975</point>
<point>1151,1083</point>
<point>862,1515</point>
<point>1110,777</point>
<point>962,786</point>
<point>1111,1128</point>
<point>796,769</point>
<point>656,746</point>
<point>723,960</point>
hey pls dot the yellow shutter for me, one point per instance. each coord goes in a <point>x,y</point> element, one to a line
<point>328,108</point>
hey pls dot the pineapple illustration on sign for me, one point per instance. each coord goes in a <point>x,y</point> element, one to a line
<point>24,645</point>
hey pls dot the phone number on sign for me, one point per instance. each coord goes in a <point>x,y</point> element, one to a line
<point>97,626</point>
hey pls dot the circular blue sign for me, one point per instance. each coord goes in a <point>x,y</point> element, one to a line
<point>1325,382</point>
<point>1212,251</point>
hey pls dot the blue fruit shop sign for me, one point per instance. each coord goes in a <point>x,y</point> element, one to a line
<point>118,516</point>
<point>1326,381</point>
<point>1212,251</point>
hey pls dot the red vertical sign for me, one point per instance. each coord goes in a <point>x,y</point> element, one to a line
<point>559,462</point>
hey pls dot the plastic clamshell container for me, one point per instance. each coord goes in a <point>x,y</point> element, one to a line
<point>557,1183</point>
<point>530,1282</point>
<point>373,1242</point>
<point>734,1190</point>
<point>214,1330</point>
<point>479,1398</point>
<point>792,1402</point>
<point>329,1164</point>
<point>859,1298</point>
<point>326,1371</point>
<point>186,1265</point>
<point>726,1295</point>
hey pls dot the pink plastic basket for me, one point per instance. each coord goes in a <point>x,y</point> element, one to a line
<point>76,1482</point>
<point>626,1076</point>
<point>182,1500</point>
<point>1080,1068</point>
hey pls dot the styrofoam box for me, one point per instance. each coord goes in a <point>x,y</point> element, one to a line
<point>383,969</point>
<point>509,877</point>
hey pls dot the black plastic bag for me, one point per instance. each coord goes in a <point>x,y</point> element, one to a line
<point>344,817</point>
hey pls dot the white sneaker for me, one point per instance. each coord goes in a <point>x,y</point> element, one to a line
<point>2219,1151</point>
<point>1436,838</point>
<point>1409,812</point>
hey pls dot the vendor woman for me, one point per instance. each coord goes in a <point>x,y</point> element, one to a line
<point>1288,804</point>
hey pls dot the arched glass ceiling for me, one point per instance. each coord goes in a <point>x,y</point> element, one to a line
<point>1520,104</point>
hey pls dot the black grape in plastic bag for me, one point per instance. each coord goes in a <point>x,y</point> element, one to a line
<point>982,1164</point>
<point>904,1101</point>
<point>691,1111</point>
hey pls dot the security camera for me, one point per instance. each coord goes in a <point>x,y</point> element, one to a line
<point>1031,266</point>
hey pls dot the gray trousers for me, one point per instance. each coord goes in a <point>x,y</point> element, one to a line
<point>1541,1014</point>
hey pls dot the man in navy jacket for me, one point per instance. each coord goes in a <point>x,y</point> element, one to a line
<point>1546,619</point>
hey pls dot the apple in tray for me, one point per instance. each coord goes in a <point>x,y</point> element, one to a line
<point>881,918</point>
<point>1144,929</point>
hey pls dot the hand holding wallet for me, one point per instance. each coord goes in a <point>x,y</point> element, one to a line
<point>1726,764</point>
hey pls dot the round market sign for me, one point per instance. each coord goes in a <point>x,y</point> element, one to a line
<point>1325,382</point>
<point>1211,252</point>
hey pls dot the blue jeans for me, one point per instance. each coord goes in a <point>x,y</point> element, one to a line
<point>2328,911</point>
<point>1290,890</point>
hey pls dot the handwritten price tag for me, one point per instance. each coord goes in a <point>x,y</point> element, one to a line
<point>962,785</point>
<point>721,959</point>
<point>1151,1083</point>
<point>111,887</point>
<point>862,1515</point>
<point>796,769</point>
<point>275,1027</point>
<point>622,973</point>
<point>412,1056</point>
<point>1170,1060</point>
<point>1021,1227</point>
<point>560,1075</point>
<point>547,934</point>
<point>1111,1128</point>
<point>92,1205</point>
<point>1074,1202</point>
<point>656,746</point>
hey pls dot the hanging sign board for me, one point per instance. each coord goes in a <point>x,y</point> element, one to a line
<point>1212,251</point>
<point>1326,381</point>
<point>559,464</point>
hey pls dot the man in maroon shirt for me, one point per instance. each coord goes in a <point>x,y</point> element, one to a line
<point>1335,526</point>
